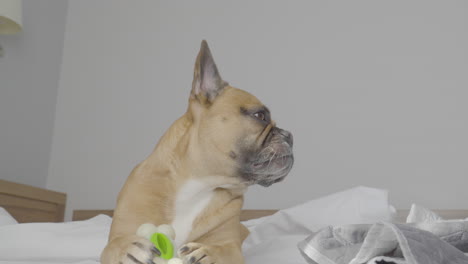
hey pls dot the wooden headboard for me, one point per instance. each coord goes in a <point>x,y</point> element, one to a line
<point>245,215</point>
<point>31,204</point>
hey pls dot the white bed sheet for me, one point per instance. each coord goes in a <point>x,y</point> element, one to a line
<point>273,239</point>
<point>71,242</point>
<point>6,218</point>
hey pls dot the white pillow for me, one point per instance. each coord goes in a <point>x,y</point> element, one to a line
<point>274,239</point>
<point>65,242</point>
<point>6,218</point>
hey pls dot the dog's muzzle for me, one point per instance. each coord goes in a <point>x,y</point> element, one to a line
<point>274,160</point>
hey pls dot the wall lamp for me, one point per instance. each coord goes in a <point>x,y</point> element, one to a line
<point>10,18</point>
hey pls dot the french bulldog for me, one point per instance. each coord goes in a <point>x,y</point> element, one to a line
<point>198,172</point>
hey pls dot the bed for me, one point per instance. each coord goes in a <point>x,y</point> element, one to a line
<point>43,237</point>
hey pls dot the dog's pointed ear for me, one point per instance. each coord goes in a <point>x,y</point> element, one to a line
<point>207,82</point>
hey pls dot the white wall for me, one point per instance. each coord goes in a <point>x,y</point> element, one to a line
<point>29,74</point>
<point>373,91</point>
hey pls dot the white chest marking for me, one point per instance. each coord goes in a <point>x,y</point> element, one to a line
<point>191,199</point>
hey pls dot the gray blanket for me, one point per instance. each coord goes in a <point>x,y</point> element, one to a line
<point>416,243</point>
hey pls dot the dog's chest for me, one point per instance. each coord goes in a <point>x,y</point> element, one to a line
<point>191,199</point>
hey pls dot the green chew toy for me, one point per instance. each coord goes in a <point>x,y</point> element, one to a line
<point>162,238</point>
<point>163,244</point>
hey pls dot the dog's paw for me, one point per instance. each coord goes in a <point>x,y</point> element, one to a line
<point>140,251</point>
<point>196,253</point>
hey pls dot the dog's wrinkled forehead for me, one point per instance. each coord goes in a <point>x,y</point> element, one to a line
<point>234,99</point>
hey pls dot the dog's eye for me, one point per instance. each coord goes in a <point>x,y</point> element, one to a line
<point>260,115</point>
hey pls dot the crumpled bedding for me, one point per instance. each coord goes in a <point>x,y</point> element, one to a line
<point>274,239</point>
<point>427,239</point>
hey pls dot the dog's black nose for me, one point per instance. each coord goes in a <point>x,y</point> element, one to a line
<point>288,137</point>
